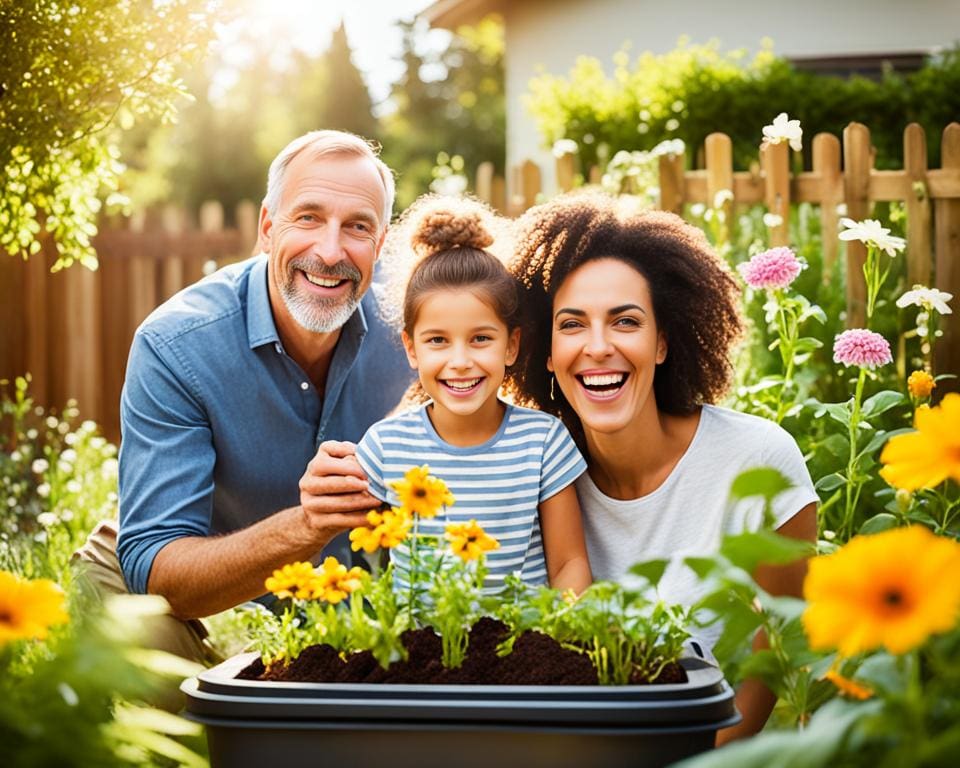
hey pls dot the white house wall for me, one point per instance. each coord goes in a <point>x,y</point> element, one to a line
<point>550,34</point>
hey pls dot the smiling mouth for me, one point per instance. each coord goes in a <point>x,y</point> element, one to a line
<point>603,383</point>
<point>324,282</point>
<point>462,386</point>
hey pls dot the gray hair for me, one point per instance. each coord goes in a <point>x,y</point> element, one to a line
<point>328,143</point>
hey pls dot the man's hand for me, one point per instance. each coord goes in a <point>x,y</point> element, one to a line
<point>334,492</point>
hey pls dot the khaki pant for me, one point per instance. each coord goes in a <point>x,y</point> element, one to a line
<point>99,570</point>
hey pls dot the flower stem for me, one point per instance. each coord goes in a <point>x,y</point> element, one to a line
<point>853,481</point>
<point>414,569</point>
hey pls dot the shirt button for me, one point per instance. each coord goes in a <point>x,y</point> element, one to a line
<point>304,386</point>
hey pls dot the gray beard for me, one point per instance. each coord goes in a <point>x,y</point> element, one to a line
<point>320,315</point>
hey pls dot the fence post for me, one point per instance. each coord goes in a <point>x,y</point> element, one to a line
<point>35,284</point>
<point>483,184</point>
<point>826,163</point>
<point>947,222</point>
<point>566,169</point>
<point>530,183</point>
<point>775,162</point>
<point>719,157</point>
<point>247,218</point>
<point>171,262</point>
<point>672,193</point>
<point>142,288</point>
<point>82,360</point>
<point>918,205</point>
<point>856,188</point>
<point>498,194</point>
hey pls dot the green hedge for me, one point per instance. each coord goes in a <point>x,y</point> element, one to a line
<point>695,90</point>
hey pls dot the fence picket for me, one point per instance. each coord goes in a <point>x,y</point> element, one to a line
<point>947,222</point>
<point>775,161</point>
<point>826,166</point>
<point>856,189</point>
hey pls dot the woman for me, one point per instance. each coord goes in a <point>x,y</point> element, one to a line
<point>632,321</point>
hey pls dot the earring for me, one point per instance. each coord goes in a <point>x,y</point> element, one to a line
<point>553,381</point>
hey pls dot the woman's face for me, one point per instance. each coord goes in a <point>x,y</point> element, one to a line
<point>605,344</point>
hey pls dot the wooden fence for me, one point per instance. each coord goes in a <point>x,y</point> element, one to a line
<point>931,197</point>
<point>72,330</point>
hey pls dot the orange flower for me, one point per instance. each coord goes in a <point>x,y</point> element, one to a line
<point>469,540</point>
<point>927,457</point>
<point>29,608</point>
<point>335,581</point>
<point>892,590</point>
<point>293,580</point>
<point>920,384</point>
<point>386,530</point>
<point>848,687</point>
<point>421,494</point>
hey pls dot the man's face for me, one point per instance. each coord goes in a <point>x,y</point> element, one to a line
<point>324,239</point>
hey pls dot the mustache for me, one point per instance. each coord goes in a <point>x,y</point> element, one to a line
<point>341,269</point>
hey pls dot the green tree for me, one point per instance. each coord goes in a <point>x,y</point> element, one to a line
<point>72,78</point>
<point>449,101</point>
<point>345,102</point>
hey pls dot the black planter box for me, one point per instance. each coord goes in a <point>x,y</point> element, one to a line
<point>254,723</point>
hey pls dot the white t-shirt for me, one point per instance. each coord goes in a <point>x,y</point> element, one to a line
<point>691,511</point>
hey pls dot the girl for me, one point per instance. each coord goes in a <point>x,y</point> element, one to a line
<point>509,468</point>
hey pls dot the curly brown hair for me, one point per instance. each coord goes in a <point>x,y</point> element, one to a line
<point>441,243</point>
<point>695,297</point>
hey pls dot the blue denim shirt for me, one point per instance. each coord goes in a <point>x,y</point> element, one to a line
<point>218,423</point>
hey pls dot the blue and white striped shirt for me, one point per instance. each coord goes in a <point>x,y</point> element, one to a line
<point>499,483</point>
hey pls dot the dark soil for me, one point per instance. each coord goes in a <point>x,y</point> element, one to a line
<point>536,660</point>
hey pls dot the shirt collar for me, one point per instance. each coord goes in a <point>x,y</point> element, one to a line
<point>261,328</point>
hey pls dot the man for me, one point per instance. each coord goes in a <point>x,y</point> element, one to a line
<point>236,387</point>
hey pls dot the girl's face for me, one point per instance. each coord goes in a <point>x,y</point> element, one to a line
<point>460,349</point>
<point>605,344</point>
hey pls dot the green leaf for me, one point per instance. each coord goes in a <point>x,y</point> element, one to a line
<point>652,570</point>
<point>880,403</point>
<point>883,521</point>
<point>830,482</point>
<point>702,566</point>
<point>837,445</point>
<point>814,747</point>
<point>761,481</point>
<point>748,550</point>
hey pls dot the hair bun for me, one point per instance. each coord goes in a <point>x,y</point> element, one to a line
<point>444,227</point>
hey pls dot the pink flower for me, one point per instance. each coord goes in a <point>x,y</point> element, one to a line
<point>772,269</point>
<point>861,347</point>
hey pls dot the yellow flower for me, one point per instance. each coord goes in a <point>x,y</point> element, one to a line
<point>293,580</point>
<point>920,384</point>
<point>335,581</point>
<point>469,540</point>
<point>420,494</point>
<point>848,687</point>
<point>29,608</point>
<point>925,458</point>
<point>386,530</point>
<point>892,589</point>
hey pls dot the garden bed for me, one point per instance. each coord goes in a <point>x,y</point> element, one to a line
<point>536,659</point>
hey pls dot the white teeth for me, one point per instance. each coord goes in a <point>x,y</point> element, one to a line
<point>603,380</point>
<point>462,383</point>
<point>324,282</point>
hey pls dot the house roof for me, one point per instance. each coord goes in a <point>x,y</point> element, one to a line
<point>450,14</point>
